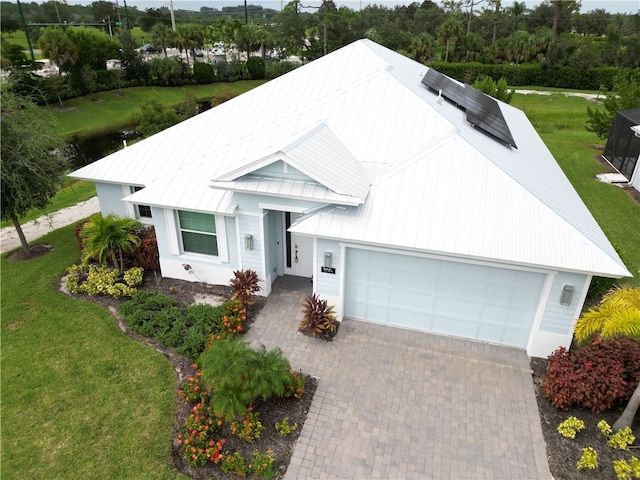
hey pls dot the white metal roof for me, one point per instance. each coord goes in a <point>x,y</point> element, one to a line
<point>360,123</point>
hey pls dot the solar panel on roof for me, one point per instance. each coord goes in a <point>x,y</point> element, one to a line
<point>451,90</point>
<point>484,112</point>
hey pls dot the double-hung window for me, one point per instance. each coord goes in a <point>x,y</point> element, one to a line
<point>198,232</point>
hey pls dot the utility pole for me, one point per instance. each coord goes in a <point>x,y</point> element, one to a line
<point>173,18</point>
<point>246,15</point>
<point>26,31</point>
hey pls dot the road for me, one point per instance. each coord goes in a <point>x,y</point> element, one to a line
<point>33,230</point>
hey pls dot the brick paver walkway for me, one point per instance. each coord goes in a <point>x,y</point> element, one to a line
<point>399,404</point>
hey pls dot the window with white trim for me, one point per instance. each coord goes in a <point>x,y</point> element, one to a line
<point>198,232</point>
<point>142,211</point>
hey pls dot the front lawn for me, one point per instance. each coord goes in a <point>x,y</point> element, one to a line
<point>79,399</point>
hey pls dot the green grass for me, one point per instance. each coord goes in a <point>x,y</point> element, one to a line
<point>560,121</point>
<point>80,400</point>
<point>74,191</point>
<point>114,110</point>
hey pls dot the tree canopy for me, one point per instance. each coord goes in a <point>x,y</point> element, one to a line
<point>32,158</point>
<point>624,96</point>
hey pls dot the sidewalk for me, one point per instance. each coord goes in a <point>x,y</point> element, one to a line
<point>37,228</point>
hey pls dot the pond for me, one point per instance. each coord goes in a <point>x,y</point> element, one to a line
<point>83,150</point>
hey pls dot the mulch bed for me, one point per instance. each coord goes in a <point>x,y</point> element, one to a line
<point>271,411</point>
<point>564,453</point>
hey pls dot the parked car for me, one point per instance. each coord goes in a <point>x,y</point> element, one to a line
<point>148,48</point>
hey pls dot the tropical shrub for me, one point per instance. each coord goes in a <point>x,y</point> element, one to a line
<point>284,428</point>
<point>146,254</point>
<point>249,428</point>
<point>186,329</point>
<point>570,427</point>
<point>627,470</point>
<point>234,463</point>
<point>239,375</point>
<point>262,464</point>
<point>256,67</point>
<point>589,459</point>
<point>244,284</point>
<point>109,237</point>
<point>101,280</point>
<point>203,73</point>
<point>595,376</point>
<point>319,319</point>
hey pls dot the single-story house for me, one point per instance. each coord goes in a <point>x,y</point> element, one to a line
<point>408,198</point>
<point>623,145</point>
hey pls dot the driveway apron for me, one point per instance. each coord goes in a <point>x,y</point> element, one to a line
<point>395,403</point>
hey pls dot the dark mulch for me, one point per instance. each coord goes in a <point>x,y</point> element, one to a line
<point>37,250</point>
<point>564,453</point>
<point>270,412</point>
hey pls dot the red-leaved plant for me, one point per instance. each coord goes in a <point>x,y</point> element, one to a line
<point>319,319</point>
<point>595,376</point>
<point>244,284</point>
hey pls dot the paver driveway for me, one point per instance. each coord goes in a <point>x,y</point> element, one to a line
<point>394,403</point>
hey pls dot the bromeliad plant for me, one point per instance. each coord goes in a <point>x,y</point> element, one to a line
<point>244,284</point>
<point>319,318</point>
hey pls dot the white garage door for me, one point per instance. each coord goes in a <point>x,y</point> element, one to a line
<point>473,301</point>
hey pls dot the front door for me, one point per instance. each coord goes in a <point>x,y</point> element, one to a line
<point>298,253</point>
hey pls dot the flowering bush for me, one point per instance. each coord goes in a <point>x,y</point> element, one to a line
<point>234,464</point>
<point>233,317</point>
<point>295,388</point>
<point>262,464</point>
<point>194,389</point>
<point>249,428</point>
<point>198,445</point>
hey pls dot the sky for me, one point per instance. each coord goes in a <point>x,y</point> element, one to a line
<point>611,6</point>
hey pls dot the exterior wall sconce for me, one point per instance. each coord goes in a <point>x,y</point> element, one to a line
<point>567,295</point>
<point>248,242</point>
<point>328,259</point>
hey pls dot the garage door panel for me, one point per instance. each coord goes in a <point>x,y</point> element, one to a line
<point>457,307</point>
<point>453,298</point>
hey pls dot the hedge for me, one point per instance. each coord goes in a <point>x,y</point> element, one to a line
<point>530,74</point>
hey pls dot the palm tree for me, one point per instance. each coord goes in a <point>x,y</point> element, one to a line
<point>58,48</point>
<point>108,238</point>
<point>422,48</point>
<point>617,315</point>
<point>447,31</point>
<point>190,37</point>
<point>162,37</point>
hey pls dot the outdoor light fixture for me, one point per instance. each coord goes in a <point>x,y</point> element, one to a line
<point>248,242</point>
<point>327,259</point>
<point>566,295</point>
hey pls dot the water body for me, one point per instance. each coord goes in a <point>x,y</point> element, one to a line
<point>83,150</point>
